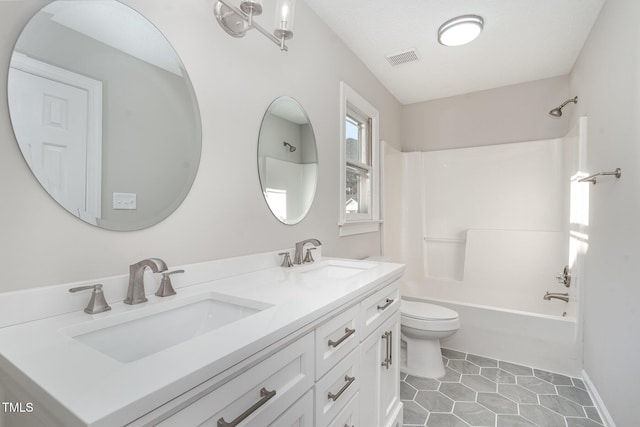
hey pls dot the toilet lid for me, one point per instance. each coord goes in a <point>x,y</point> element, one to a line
<point>423,310</point>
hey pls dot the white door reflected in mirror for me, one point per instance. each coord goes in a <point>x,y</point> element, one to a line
<point>99,112</point>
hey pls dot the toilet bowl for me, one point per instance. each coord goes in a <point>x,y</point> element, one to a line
<point>422,326</point>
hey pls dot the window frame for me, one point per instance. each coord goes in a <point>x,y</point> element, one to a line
<point>358,223</point>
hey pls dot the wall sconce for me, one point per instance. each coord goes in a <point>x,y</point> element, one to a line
<point>236,22</point>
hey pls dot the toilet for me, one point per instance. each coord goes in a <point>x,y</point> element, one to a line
<point>422,325</point>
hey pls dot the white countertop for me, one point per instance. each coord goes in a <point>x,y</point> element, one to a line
<point>86,387</point>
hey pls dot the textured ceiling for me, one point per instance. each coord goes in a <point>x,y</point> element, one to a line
<point>523,40</point>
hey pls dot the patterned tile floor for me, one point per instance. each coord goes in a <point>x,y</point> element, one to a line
<point>477,391</point>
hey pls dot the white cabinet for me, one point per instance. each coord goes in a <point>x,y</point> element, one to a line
<point>298,415</point>
<point>376,308</point>
<point>380,366</point>
<point>349,416</point>
<point>389,384</point>
<point>342,372</point>
<point>257,396</point>
<point>336,338</point>
<point>334,390</point>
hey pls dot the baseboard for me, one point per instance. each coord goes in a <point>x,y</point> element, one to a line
<point>595,396</point>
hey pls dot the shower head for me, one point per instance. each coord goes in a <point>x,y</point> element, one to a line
<point>557,112</point>
<point>291,147</point>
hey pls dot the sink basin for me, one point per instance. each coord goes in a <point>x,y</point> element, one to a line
<point>133,339</point>
<point>335,270</point>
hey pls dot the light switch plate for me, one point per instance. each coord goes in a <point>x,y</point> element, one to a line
<point>124,200</point>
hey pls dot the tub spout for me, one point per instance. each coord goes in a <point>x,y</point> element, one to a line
<point>555,295</point>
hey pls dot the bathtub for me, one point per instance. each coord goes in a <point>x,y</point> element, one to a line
<point>534,338</point>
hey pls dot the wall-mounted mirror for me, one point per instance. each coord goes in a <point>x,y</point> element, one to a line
<point>104,113</point>
<point>287,160</point>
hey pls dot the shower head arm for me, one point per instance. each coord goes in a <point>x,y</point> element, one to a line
<point>574,100</point>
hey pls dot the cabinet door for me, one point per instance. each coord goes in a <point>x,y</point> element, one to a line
<point>371,356</point>
<point>380,377</point>
<point>390,376</point>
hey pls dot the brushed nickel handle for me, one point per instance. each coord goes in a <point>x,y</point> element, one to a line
<point>390,341</point>
<point>286,262</point>
<point>387,304</point>
<point>348,333</point>
<point>166,287</point>
<point>97,303</point>
<point>349,381</point>
<point>265,396</point>
<point>387,360</point>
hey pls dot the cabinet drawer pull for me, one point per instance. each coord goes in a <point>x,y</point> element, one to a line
<point>264,394</point>
<point>347,425</point>
<point>348,333</point>
<point>387,304</point>
<point>349,380</point>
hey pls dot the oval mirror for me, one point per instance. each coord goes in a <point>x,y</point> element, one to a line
<point>104,113</point>
<point>287,160</point>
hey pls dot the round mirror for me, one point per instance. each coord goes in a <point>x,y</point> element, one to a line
<point>287,160</point>
<point>104,113</point>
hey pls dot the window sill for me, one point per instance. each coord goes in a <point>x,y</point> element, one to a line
<point>358,227</point>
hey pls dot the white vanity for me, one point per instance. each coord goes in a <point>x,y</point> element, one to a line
<point>244,342</point>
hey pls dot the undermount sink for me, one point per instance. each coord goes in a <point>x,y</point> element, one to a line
<point>335,270</point>
<point>133,339</point>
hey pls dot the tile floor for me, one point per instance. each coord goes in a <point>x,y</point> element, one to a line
<point>477,391</point>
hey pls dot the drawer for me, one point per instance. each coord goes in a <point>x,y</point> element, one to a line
<point>298,415</point>
<point>337,388</point>
<point>336,338</point>
<point>378,307</point>
<point>260,394</point>
<point>348,417</point>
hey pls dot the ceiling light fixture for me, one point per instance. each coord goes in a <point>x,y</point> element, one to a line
<point>236,22</point>
<point>460,30</point>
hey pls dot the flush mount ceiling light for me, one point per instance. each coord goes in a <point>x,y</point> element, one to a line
<point>460,30</point>
<point>236,22</point>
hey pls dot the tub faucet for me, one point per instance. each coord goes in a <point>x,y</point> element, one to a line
<point>297,258</point>
<point>135,292</point>
<point>553,295</point>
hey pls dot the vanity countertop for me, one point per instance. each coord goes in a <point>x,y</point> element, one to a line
<point>83,386</point>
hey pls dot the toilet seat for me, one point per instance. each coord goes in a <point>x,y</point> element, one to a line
<point>425,311</point>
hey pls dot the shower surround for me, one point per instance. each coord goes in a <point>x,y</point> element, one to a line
<point>485,231</point>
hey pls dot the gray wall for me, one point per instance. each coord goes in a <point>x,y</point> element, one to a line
<point>225,214</point>
<point>507,114</point>
<point>606,76</point>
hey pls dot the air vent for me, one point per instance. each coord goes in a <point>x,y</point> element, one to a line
<point>407,55</point>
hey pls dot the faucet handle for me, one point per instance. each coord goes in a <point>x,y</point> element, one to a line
<point>97,303</point>
<point>166,288</point>
<point>308,258</point>
<point>286,262</point>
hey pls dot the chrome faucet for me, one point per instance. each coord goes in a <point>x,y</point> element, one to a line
<point>297,258</point>
<point>553,295</point>
<point>135,292</point>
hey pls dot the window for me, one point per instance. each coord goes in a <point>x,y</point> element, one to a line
<point>359,188</point>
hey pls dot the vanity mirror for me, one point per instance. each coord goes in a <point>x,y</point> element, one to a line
<point>287,160</point>
<point>104,113</point>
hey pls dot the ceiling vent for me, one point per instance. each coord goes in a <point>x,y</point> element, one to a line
<point>402,57</point>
